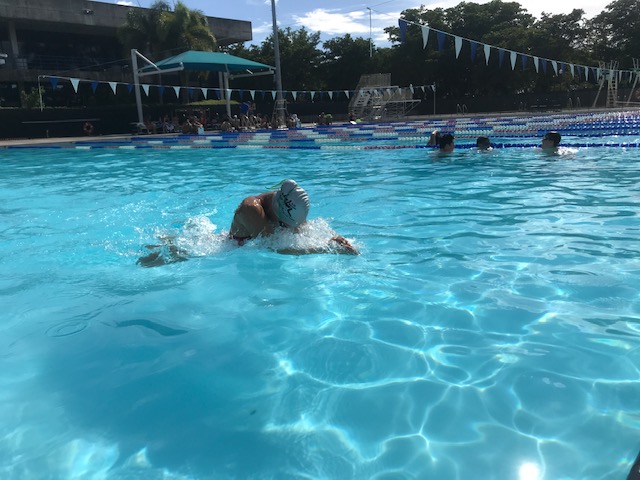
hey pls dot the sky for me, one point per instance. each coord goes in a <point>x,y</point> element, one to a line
<point>335,18</point>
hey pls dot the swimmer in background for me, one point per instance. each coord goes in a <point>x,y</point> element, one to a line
<point>551,146</point>
<point>483,143</point>
<point>446,144</point>
<point>259,216</point>
<point>434,139</point>
<point>551,142</point>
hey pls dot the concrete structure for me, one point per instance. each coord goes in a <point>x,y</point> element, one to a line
<point>75,38</point>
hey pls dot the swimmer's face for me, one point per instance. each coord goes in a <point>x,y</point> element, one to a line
<point>448,147</point>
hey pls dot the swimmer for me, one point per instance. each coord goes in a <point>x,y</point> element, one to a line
<point>259,216</point>
<point>551,142</point>
<point>286,207</point>
<point>483,143</point>
<point>446,144</point>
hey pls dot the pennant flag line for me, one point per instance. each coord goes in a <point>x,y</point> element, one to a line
<point>458,42</point>
<point>559,68</point>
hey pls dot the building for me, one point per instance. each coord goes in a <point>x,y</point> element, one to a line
<point>74,38</point>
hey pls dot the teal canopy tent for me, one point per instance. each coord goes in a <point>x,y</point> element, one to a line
<point>210,62</point>
<point>228,66</point>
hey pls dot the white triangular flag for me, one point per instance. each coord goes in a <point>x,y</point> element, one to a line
<point>425,36</point>
<point>74,83</point>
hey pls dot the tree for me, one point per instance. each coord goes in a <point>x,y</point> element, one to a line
<point>507,29</point>
<point>300,59</point>
<point>615,32</point>
<point>143,28</point>
<point>344,60</point>
<point>496,23</point>
<point>159,30</point>
<point>190,30</point>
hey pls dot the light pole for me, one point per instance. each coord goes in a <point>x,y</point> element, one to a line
<point>370,32</point>
<point>279,104</point>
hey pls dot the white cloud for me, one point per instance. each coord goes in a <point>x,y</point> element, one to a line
<point>263,30</point>
<point>321,20</point>
<point>125,3</point>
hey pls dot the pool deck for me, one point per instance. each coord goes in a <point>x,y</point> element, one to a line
<point>31,142</point>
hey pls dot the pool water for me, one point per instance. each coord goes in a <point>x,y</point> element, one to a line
<point>490,328</point>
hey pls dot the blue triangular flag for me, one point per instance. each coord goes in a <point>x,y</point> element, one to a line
<point>403,29</point>
<point>473,46</point>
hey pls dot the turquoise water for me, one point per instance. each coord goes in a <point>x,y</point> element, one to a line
<point>489,329</point>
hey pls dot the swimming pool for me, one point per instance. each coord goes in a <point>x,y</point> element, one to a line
<point>489,329</point>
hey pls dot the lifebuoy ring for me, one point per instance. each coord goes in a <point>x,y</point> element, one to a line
<point>88,128</point>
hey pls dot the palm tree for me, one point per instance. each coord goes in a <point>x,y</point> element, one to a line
<point>190,29</point>
<point>144,29</point>
<point>160,30</point>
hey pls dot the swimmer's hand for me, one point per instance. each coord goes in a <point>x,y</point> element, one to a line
<point>336,244</point>
<point>343,245</point>
<point>163,255</point>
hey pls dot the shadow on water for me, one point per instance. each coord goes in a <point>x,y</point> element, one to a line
<point>198,407</point>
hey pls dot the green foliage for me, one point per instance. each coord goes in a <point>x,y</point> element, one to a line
<point>210,103</point>
<point>616,32</point>
<point>344,60</point>
<point>337,64</point>
<point>32,99</point>
<point>160,31</point>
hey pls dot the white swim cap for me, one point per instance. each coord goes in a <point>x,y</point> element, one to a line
<point>291,204</point>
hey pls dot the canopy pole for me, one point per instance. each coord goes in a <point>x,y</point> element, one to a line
<point>227,92</point>
<point>223,94</point>
<point>136,83</point>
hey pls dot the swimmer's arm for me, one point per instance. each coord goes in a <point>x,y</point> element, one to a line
<point>336,244</point>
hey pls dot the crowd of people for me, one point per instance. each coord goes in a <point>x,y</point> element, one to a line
<point>197,122</point>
